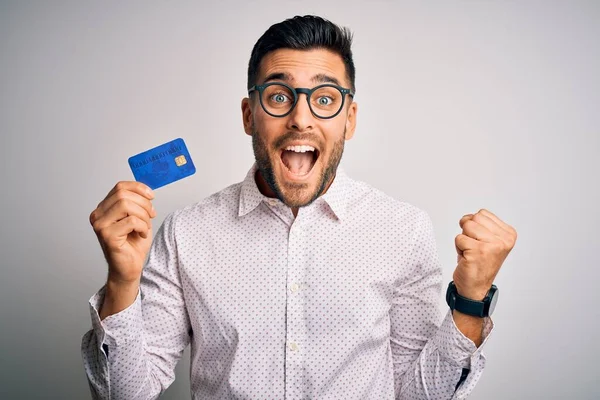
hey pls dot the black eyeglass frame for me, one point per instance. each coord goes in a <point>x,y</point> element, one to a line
<point>296,92</point>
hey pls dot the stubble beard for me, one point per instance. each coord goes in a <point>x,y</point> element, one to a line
<point>296,192</point>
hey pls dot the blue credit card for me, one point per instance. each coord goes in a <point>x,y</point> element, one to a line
<point>163,164</point>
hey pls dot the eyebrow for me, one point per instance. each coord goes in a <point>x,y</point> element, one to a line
<point>318,78</point>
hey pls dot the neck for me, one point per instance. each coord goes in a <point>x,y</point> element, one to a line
<point>266,190</point>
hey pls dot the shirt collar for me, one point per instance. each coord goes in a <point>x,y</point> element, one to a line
<point>250,196</point>
<point>336,196</point>
<point>338,193</point>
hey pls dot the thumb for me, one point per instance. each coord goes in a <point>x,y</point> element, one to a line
<point>459,252</point>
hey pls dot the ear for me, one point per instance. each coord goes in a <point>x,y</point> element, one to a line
<point>351,120</point>
<point>247,117</point>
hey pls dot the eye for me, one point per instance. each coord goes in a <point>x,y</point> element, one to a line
<point>279,97</point>
<point>324,101</point>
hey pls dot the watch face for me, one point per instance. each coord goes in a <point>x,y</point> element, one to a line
<point>493,302</point>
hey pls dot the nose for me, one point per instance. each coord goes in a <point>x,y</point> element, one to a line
<point>301,118</point>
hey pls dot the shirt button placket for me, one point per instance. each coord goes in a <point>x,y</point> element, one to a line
<point>296,326</point>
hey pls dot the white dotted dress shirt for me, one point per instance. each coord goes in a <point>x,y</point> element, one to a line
<point>341,302</point>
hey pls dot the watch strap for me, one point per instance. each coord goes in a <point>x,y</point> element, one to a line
<point>468,306</point>
<point>465,305</point>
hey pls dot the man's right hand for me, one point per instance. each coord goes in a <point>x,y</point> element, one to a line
<point>122,222</point>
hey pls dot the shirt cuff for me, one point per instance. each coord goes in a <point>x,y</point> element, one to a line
<point>118,328</point>
<point>456,347</point>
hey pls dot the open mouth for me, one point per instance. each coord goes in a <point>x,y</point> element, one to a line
<point>299,160</point>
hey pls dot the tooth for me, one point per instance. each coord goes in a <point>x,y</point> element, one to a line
<point>300,148</point>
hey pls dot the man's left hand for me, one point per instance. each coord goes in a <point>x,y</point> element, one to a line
<point>482,247</point>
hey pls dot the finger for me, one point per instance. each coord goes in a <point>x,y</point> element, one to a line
<point>127,195</point>
<point>489,224</point>
<point>463,243</point>
<point>464,219</point>
<point>497,220</point>
<point>478,232</point>
<point>124,227</point>
<point>133,186</point>
<point>120,210</point>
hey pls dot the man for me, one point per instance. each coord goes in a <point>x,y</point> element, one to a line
<point>299,282</point>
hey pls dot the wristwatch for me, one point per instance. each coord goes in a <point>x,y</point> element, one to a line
<point>482,308</point>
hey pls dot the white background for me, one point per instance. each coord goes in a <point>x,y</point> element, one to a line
<point>462,105</point>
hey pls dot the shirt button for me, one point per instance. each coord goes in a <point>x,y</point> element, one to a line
<point>293,346</point>
<point>272,202</point>
<point>294,288</point>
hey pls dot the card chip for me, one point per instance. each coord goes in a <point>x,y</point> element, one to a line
<point>180,160</point>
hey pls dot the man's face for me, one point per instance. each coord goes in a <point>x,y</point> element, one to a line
<point>298,178</point>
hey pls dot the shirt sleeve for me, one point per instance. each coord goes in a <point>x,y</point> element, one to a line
<point>430,360</point>
<point>133,354</point>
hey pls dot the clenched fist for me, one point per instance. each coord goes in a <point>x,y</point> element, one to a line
<point>122,222</point>
<point>482,247</point>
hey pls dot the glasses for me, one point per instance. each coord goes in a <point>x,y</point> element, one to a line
<point>278,99</point>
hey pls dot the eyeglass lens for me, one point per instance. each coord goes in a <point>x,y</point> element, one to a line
<point>324,102</point>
